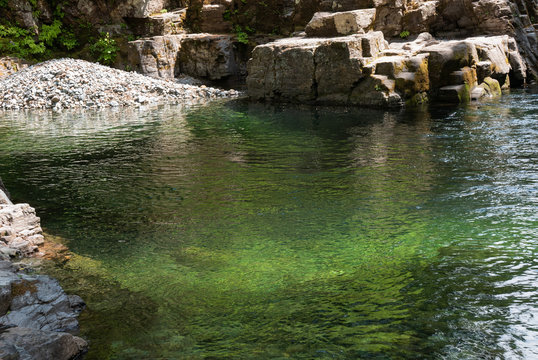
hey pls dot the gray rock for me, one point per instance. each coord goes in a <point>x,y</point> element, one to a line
<point>30,344</point>
<point>343,23</point>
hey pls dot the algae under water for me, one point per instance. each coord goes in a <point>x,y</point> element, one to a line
<point>241,231</point>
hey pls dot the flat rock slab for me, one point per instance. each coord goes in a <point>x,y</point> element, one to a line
<point>325,24</point>
<point>30,344</point>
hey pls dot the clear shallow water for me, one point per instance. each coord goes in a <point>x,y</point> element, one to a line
<point>269,232</point>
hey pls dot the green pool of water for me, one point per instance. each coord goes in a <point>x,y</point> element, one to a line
<point>242,231</point>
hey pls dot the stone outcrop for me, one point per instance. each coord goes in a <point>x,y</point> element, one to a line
<point>28,344</point>
<point>10,65</point>
<point>366,70</point>
<point>206,56</point>
<point>20,230</point>
<point>325,24</point>
<point>37,319</point>
<point>168,23</point>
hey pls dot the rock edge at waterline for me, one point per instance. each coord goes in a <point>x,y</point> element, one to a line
<point>37,318</point>
<point>71,83</point>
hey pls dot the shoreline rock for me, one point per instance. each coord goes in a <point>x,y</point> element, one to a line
<point>69,83</point>
<point>366,70</point>
<point>38,320</point>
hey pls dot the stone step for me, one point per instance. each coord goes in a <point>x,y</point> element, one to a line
<point>212,19</point>
<point>169,23</point>
<point>455,94</point>
<point>326,24</point>
<point>344,5</point>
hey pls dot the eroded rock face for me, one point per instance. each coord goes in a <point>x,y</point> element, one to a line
<point>20,230</point>
<point>325,24</point>
<point>10,65</point>
<point>37,319</point>
<point>156,56</point>
<point>205,56</point>
<point>365,70</point>
<point>29,344</point>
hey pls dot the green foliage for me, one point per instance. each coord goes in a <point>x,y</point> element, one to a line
<point>19,42</point>
<point>404,34</point>
<point>242,36</point>
<point>49,33</point>
<point>164,11</point>
<point>3,3</point>
<point>105,49</point>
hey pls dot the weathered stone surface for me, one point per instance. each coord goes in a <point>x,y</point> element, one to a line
<point>10,65</point>
<point>207,56</point>
<point>311,69</point>
<point>337,68</point>
<point>447,57</point>
<point>212,19</point>
<point>20,230</point>
<point>30,344</point>
<point>376,91</point>
<point>156,56</point>
<point>420,18</point>
<point>455,93</point>
<point>325,24</point>
<point>169,23</point>
<point>38,302</point>
<point>362,70</point>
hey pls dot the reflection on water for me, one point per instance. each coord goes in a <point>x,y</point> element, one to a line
<point>235,230</point>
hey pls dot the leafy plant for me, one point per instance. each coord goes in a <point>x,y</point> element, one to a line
<point>164,11</point>
<point>19,42</point>
<point>49,33</point>
<point>105,49</point>
<point>242,36</point>
<point>404,34</point>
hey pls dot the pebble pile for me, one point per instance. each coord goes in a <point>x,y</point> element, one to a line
<point>69,83</point>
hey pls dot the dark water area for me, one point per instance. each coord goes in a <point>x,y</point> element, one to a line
<point>247,231</point>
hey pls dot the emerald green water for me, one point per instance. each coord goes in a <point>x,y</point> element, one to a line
<point>242,231</point>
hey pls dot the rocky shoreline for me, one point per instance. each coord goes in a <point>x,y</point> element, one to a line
<point>38,320</point>
<point>70,83</point>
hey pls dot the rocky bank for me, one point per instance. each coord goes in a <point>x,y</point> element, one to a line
<point>37,319</point>
<point>214,39</point>
<point>366,70</point>
<point>69,83</point>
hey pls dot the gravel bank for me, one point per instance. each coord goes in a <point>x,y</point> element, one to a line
<point>69,83</point>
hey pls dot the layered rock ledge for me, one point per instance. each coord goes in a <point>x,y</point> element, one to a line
<point>69,83</point>
<point>37,319</point>
<point>365,70</point>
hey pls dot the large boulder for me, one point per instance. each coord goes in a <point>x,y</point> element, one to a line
<point>311,69</point>
<point>207,56</point>
<point>37,319</point>
<point>325,24</point>
<point>30,344</point>
<point>364,70</point>
<point>156,56</point>
<point>20,230</point>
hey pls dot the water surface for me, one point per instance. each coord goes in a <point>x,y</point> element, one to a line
<point>241,231</point>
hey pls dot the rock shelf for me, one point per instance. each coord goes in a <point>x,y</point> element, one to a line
<point>37,319</point>
<point>69,83</point>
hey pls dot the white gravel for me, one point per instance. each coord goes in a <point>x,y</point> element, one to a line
<point>69,83</point>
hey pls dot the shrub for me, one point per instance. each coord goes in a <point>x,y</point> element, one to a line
<point>105,49</point>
